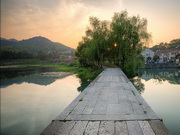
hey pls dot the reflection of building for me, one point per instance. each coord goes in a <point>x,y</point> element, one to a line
<point>167,74</point>
<point>147,76</point>
<point>168,55</point>
<point>147,53</point>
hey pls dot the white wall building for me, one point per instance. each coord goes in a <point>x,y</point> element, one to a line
<point>147,53</point>
<point>168,55</point>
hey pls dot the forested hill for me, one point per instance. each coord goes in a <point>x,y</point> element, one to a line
<point>33,45</point>
<point>163,46</point>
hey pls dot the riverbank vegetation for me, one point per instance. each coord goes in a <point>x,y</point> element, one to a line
<point>86,75</point>
<point>117,42</point>
<point>24,67</point>
<point>11,55</point>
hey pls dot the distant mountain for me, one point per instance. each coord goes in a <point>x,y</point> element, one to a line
<point>12,39</point>
<point>34,45</point>
<point>7,43</point>
<point>3,38</point>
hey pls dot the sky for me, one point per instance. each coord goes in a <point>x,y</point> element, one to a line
<point>65,21</point>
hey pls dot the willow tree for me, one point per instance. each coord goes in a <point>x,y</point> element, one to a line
<point>92,49</point>
<point>129,34</point>
<point>120,42</point>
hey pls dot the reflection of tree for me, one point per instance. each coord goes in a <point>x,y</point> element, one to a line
<point>33,76</point>
<point>160,75</point>
<point>138,84</point>
<point>84,84</point>
<point>10,73</point>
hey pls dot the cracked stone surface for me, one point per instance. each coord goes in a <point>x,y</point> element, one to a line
<point>100,109</point>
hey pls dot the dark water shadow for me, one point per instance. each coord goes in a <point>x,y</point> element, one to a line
<point>84,84</point>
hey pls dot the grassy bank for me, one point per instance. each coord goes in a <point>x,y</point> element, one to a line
<point>88,74</point>
<point>31,63</point>
<point>61,67</point>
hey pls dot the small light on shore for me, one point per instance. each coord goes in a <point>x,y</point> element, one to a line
<point>115,44</point>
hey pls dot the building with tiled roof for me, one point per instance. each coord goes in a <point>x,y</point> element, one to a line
<point>168,55</point>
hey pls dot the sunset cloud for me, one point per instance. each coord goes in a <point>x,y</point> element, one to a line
<point>66,20</point>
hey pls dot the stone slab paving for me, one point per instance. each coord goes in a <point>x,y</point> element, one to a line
<point>150,127</point>
<point>109,105</point>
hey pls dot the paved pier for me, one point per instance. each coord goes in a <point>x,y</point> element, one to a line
<point>110,105</point>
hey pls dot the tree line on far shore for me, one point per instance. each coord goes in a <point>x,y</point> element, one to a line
<point>8,53</point>
<point>33,48</point>
<point>164,46</point>
<point>117,42</point>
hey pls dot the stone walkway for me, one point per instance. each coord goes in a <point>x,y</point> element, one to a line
<point>110,105</point>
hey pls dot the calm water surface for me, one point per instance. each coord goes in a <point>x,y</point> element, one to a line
<point>29,103</point>
<point>161,89</point>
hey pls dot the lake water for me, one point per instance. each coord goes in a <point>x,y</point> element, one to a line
<point>29,103</point>
<point>161,89</point>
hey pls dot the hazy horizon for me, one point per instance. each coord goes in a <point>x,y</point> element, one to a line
<point>65,21</point>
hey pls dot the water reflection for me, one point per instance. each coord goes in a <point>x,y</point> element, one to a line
<point>28,107</point>
<point>171,75</point>
<point>83,85</point>
<point>40,79</point>
<point>159,76</point>
<point>10,72</point>
<point>138,84</point>
<point>161,89</point>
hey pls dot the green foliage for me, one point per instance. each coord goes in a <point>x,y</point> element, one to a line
<point>81,99</point>
<point>88,74</point>
<point>42,55</point>
<point>155,58</point>
<point>61,67</point>
<point>84,84</point>
<point>118,42</point>
<point>148,59</point>
<point>8,53</point>
<point>84,76</point>
<point>132,63</point>
<point>137,82</point>
<point>93,47</point>
<point>62,56</point>
<point>73,64</point>
<point>133,93</point>
<point>163,46</point>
